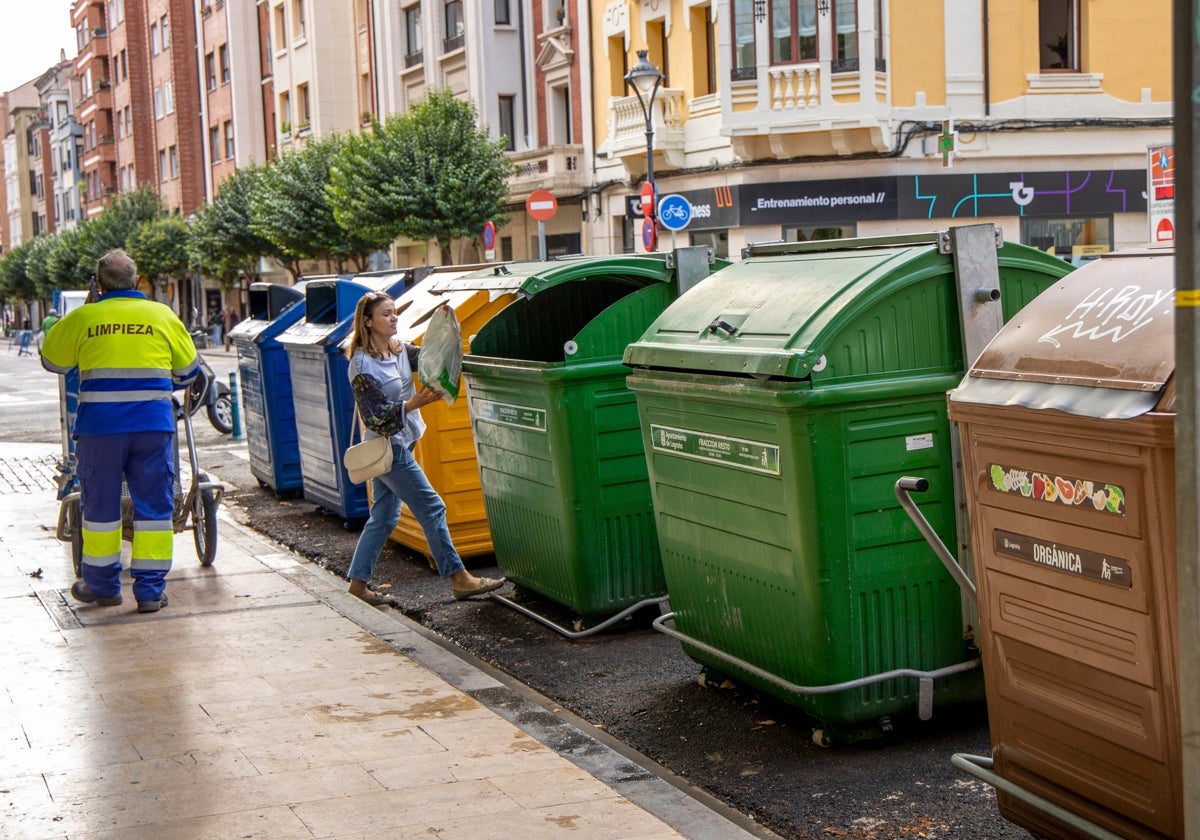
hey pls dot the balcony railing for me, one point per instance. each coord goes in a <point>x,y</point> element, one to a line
<point>627,128</point>
<point>413,59</point>
<point>550,167</point>
<point>452,44</point>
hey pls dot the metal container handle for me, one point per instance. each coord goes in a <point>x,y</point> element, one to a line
<point>912,484</point>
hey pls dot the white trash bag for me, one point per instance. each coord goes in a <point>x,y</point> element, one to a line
<point>439,364</point>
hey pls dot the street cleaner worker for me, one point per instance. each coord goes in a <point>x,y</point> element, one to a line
<point>131,353</point>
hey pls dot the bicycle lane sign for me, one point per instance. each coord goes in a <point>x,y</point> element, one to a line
<point>674,212</point>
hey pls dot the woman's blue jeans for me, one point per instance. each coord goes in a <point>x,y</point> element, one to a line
<point>405,482</point>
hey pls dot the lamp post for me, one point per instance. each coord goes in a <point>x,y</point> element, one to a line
<point>645,79</point>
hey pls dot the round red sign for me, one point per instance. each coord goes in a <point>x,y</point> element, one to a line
<point>541,204</point>
<point>648,201</point>
<point>489,235</point>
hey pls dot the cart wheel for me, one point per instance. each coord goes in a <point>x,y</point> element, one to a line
<point>75,523</point>
<point>204,524</point>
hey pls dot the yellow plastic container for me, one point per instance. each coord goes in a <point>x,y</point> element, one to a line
<point>446,452</point>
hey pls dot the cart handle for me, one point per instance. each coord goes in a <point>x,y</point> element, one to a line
<point>911,484</point>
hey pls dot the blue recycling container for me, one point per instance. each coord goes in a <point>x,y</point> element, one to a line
<point>324,402</point>
<point>268,414</point>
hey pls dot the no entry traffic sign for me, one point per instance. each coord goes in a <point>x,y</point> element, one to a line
<point>648,202</point>
<point>541,204</point>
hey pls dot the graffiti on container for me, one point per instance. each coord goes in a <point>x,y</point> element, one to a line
<point>1043,487</point>
<point>1064,558</point>
<point>1112,313</point>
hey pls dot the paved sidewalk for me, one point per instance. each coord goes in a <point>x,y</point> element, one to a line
<point>265,702</point>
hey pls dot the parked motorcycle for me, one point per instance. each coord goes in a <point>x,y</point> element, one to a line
<point>208,390</point>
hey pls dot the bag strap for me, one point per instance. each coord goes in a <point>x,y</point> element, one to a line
<point>356,423</point>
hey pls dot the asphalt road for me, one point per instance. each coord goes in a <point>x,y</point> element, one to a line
<point>747,750</point>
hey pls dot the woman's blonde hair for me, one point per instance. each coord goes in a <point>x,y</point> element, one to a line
<point>360,333</point>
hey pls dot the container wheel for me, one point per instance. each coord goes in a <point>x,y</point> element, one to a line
<point>75,523</point>
<point>821,738</point>
<point>204,524</point>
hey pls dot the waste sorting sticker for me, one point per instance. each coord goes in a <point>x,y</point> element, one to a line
<point>1064,558</point>
<point>1044,487</point>
<point>520,416</point>
<point>702,446</point>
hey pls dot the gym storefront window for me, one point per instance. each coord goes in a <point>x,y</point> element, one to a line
<point>1073,239</point>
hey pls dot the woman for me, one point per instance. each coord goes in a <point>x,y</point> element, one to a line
<point>381,375</point>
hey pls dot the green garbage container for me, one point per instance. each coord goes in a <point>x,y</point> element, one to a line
<point>556,434</point>
<point>779,402</point>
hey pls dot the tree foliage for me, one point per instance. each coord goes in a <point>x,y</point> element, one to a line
<point>14,281</point>
<point>223,242</point>
<point>159,247</point>
<point>65,263</point>
<point>432,173</point>
<point>289,208</point>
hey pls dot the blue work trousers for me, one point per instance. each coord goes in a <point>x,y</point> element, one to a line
<point>145,460</point>
<point>405,482</point>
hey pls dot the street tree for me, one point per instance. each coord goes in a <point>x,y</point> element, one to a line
<point>66,262</point>
<point>223,244</point>
<point>15,284</point>
<point>431,173</point>
<point>289,208</point>
<point>37,265</point>
<point>159,247</point>
<point>113,228</point>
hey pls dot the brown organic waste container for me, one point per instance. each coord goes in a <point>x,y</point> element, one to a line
<point>1067,425</point>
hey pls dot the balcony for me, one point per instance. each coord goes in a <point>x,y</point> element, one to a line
<point>627,130</point>
<point>817,108</point>
<point>554,168</point>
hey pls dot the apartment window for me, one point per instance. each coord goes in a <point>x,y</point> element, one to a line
<point>124,65</point>
<point>845,36</point>
<point>704,46</point>
<point>162,164</point>
<point>210,71</point>
<point>453,19</point>
<point>280,28</point>
<point>224,63</point>
<point>793,31</point>
<point>880,58</point>
<point>303,114</point>
<point>1058,34</point>
<point>116,11</point>
<point>285,112</point>
<point>214,143</point>
<point>503,13</point>
<point>412,35</point>
<point>166,32</point>
<point>298,22</point>
<point>229,138</point>
<point>158,103</point>
<point>169,97</point>
<point>744,65</point>
<point>173,153</point>
<point>508,112</point>
<point>128,119</point>
<point>558,116</point>
<point>155,40</point>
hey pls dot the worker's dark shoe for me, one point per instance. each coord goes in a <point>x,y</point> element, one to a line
<point>152,606</point>
<point>80,591</point>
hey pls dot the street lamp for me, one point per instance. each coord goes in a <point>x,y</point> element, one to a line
<point>645,79</point>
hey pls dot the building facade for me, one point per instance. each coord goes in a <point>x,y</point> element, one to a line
<point>799,119</point>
